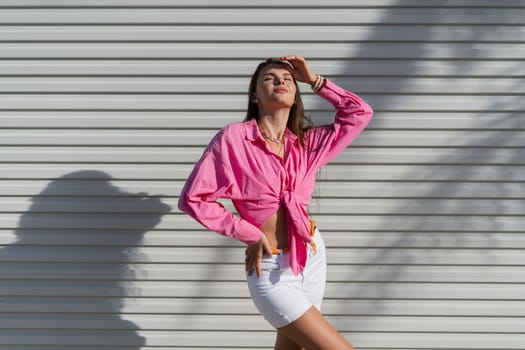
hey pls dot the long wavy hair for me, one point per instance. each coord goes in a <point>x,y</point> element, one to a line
<point>298,122</point>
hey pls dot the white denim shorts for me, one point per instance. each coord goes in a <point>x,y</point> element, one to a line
<point>279,295</point>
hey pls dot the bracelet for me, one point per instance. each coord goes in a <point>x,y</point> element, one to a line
<point>318,83</point>
<point>315,84</point>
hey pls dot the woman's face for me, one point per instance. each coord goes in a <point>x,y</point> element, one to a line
<point>275,88</point>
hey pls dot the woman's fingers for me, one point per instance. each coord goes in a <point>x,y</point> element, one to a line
<point>301,70</point>
<point>253,258</point>
<point>254,255</point>
<point>247,265</point>
<point>249,262</point>
<point>258,267</point>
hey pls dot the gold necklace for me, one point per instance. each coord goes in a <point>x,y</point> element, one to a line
<point>280,143</point>
<point>280,150</point>
<point>272,139</point>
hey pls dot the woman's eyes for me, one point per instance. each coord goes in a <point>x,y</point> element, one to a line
<point>271,78</point>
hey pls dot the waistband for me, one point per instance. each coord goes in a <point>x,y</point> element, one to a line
<point>313,228</point>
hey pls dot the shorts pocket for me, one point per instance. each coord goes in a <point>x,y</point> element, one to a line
<point>271,264</point>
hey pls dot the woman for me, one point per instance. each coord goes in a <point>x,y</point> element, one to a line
<point>267,166</point>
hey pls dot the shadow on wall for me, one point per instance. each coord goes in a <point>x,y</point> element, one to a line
<point>63,278</point>
<point>460,165</point>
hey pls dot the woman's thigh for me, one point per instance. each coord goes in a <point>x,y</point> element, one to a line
<point>313,332</point>
<point>284,343</point>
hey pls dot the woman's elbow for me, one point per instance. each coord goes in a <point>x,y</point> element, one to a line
<point>366,113</point>
<point>368,110</point>
<point>183,203</point>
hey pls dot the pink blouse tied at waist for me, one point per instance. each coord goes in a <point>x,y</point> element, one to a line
<point>238,165</point>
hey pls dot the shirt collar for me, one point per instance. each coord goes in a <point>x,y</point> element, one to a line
<point>253,133</point>
<point>252,130</point>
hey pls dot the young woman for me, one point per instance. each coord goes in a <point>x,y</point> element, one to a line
<point>267,166</point>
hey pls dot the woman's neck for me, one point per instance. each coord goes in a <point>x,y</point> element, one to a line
<point>274,124</point>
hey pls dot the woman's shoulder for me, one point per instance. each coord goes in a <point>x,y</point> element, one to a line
<point>234,127</point>
<point>231,133</point>
<point>239,129</point>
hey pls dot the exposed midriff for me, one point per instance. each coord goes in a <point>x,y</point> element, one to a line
<point>275,230</point>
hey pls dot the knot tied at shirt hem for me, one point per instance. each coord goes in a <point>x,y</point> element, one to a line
<point>298,226</point>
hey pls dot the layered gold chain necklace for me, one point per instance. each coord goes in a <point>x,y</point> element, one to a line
<point>272,139</point>
<point>275,140</point>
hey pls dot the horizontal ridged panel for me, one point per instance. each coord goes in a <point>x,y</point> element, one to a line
<point>345,33</point>
<point>244,306</point>
<point>231,339</point>
<point>314,16</point>
<point>237,289</point>
<point>358,206</point>
<point>336,239</point>
<point>244,4</point>
<point>156,102</point>
<point>397,222</point>
<point>153,120</point>
<point>356,189</point>
<point>500,51</point>
<point>102,174</point>
<point>256,323</point>
<point>338,271</point>
<point>383,85</point>
<point>99,127</point>
<point>378,138</point>
<point>244,67</point>
<point>185,255</point>
<point>370,206</point>
<point>169,155</point>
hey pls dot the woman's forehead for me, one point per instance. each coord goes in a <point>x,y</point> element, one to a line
<point>276,68</point>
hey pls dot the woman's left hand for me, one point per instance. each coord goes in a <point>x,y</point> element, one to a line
<point>254,255</point>
<point>301,71</point>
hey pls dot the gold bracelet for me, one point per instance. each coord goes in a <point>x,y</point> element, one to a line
<point>317,77</point>
<point>318,83</point>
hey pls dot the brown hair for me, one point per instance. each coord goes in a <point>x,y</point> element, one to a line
<point>298,122</point>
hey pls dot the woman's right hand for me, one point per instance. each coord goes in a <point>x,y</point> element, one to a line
<point>254,254</point>
<point>301,71</point>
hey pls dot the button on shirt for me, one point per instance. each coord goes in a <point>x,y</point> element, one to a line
<point>238,165</point>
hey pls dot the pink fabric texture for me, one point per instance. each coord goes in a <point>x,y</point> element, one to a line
<point>238,165</point>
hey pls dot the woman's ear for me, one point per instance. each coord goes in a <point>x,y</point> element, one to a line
<point>254,99</point>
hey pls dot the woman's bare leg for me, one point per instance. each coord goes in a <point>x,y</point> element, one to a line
<point>313,332</point>
<point>284,343</point>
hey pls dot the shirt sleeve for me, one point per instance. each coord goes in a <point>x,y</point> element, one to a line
<point>212,178</point>
<point>352,115</point>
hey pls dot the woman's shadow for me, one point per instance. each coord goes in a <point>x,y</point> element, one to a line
<point>65,277</point>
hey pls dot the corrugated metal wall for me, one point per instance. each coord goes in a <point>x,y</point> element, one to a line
<point>106,105</point>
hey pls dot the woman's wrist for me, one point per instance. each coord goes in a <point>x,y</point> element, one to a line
<point>318,83</point>
<point>311,79</point>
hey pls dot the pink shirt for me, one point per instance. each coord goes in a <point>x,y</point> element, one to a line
<point>238,165</point>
